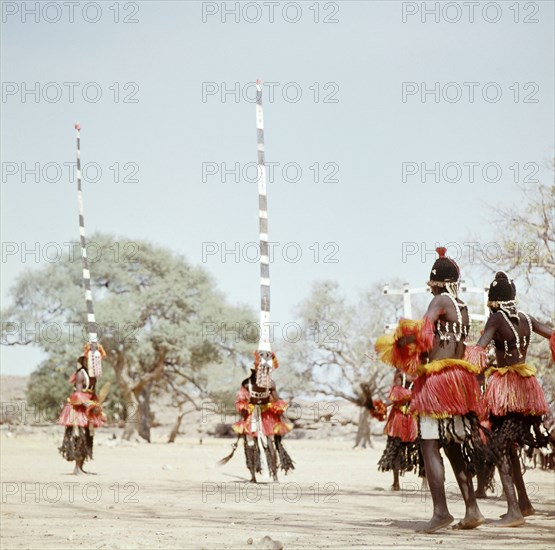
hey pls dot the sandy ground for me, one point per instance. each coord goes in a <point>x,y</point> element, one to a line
<point>174,496</point>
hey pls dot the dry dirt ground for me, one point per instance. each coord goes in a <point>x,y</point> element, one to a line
<point>174,496</point>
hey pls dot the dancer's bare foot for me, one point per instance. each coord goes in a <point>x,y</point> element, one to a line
<point>437,523</point>
<point>510,520</point>
<point>78,471</point>
<point>395,487</point>
<point>470,521</point>
<point>480,494</point>
<point>525,512</point>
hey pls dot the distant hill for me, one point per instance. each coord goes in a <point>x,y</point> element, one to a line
<point>12,388</point>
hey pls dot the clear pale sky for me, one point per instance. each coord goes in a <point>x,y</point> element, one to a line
<point>361,140</point>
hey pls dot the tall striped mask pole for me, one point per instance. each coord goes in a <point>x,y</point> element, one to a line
<point>265,356</point>
<point>94,358</point>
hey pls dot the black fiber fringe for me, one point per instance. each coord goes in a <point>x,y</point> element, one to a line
<point>273,456</point>
<point>77,444</point>
<point>253,460</point>
<point>285,461</point>
<point>476,452</point>
<point>516,429</point>
<point>485,472</point>
<point>401,456</point>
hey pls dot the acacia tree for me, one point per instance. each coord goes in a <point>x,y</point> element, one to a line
<point>151,308</point>
<point>336,348</point>
<point>526,235</point>
<point>531,223</point>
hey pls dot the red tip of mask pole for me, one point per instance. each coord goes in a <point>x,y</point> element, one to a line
<point>78,127</point>
<point>258,81</point>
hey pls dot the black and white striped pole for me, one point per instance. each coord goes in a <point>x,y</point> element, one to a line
<point>94,359</point>
<point>263,376</point>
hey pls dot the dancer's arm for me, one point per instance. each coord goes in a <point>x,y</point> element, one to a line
<point>80,380</point>
<point>437,308</point>
<point>490,329</point>
<point>433,313</point>
<point>546,332</point>
<point>540,328</point>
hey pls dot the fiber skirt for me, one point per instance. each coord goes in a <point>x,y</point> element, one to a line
<point>447,387</point>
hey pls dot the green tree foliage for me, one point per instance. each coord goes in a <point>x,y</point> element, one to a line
<point>526,234</point>
<point>152,310</point>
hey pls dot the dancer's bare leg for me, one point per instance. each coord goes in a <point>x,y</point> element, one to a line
<point>524,503</point>
<point>435,474</point>
<point>78,470</point>
<point>250,453</point>
<point>395,486</point>
<point>513,517</point>
<point>273,457</point>
<point>473,517</point>
<point>482,478</point>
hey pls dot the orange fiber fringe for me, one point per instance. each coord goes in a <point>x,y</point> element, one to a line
<point>401,425</point>
<point>451,391</point>
<point>477,356</point>
<point>513,393</point>
<point>406,357</point>
<point>399,395</point>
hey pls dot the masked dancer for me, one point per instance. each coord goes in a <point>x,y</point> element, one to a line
<point>81,414</point>
<point>262,425</point>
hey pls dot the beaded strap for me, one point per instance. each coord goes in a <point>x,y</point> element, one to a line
<point>517,337</point>
<point>461,328</point>
<point>527,317</point>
